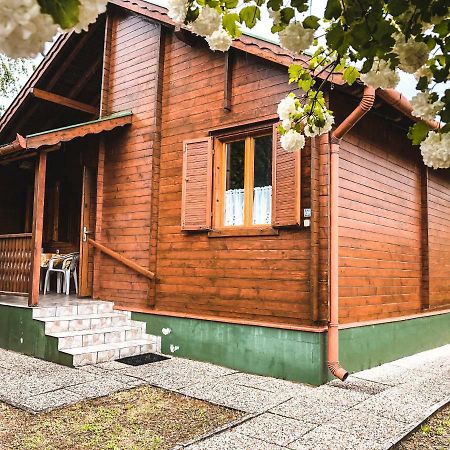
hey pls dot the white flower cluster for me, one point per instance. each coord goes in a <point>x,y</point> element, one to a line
<point>424,106</point>
<point>89,11</point>
<point>23,28</point>
<point>219,40</point>
<point>207,22</point>
<point>275,16</point>
<point>412,54</point>
<point>424,71</point>
<point>291,113</point>
<point>435,150</point>
<point>296,38</point>
<point>292,141</point>
<point>312,130</point>
<point>177,10</point>
<point>381,75</point>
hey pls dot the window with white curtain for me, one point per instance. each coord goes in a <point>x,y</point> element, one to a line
<point>248,181</point>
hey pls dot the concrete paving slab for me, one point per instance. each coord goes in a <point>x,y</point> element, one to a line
<point>366,426</point>
<point>359,385</point>
<point>336,396</point>
<point>98,388</point>
<point>50,400</point>
<point>243,398</point>
<point>389,374</point>
<point>232,440</point>
<point>275,429</point>
<point>327,438</point>
<point>302,409</point>
<point>394,407</point>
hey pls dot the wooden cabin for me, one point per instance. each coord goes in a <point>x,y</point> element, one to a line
<point>158,160</point>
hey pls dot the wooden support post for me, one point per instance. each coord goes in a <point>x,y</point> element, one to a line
<point>228,80</point>
<point>99,216</point>
<point>38,218</point>
<point>424,238</point>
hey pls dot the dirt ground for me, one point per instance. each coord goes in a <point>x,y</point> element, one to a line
<point>144,418</point>
<point>434,434</point>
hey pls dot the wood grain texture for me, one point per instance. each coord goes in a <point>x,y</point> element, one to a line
<point>38,218</point>
<point>286,207</point>
<point>380,217</point>
<point>131,156</point>
<point>439,238</point>
<point>261,277</point>
<point>196,197</point>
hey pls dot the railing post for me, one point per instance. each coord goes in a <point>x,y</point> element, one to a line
<point>38,218</point>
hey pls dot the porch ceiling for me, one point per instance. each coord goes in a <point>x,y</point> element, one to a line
<point>65,134</point>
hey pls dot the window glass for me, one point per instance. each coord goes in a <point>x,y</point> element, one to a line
<point>248,190</point>
<point>263,161</point>
<point>262,191</point>
<point>234,194</point>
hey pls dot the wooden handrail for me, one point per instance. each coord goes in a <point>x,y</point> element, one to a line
<point>17,235</point>
<point>120,258</point>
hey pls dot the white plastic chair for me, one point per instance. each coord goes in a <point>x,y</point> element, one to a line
<point>66,267</point>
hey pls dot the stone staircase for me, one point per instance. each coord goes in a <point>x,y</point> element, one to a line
<point>92,331</point>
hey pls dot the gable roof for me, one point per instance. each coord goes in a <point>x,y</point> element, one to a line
<point>256,46</point>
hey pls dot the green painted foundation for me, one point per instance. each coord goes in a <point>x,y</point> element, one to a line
<point>296,355</point>
<point>287,354</point>
<point>20,333</point>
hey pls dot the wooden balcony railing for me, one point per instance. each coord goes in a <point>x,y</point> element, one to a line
<point>15,263</point>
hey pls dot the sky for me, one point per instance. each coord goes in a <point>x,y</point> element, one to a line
<point>407,82</point>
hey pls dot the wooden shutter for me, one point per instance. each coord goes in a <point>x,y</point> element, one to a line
<point>197,185</point>
<point>286,190</point>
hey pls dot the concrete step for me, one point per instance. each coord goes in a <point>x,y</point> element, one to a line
<point>84,321</point>
<point>73,308</point>
<point>85,338</point>
<point>92,331</point>
<point>109,352</point>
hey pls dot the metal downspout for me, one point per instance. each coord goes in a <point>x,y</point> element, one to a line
<point>360,111</point>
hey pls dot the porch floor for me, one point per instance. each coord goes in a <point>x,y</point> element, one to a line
<point>51,299</point>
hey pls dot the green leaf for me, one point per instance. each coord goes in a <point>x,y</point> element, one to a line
<point>422,84</point>
<point>300,5</point>
<point>275,4</point>
<point>397,7</point>
<point>64,12</point>
<point>250,15</point>
<point>418,132</point>
<point>335,37</point>
<point>311,22</point>
<point>333,9</point>
<point>230,4</point>
<point>350,75</point>
<point>295,71</point>
<point>230,23</point>
<point>286,14</point>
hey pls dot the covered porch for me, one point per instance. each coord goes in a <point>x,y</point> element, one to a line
<point>50,183</point>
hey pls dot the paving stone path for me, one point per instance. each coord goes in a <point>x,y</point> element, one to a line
<point>372,410</point>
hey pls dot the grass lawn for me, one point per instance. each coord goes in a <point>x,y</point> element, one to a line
<point>144,418</point>
<point>434,434</point>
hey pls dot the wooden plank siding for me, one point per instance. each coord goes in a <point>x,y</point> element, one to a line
<point>379,219</point>
<point>131,84</point>
<point>261,278</point>
<point>176,93</point>
<point>439,238</point>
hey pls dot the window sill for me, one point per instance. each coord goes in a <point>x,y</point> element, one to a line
<point>240,231</point>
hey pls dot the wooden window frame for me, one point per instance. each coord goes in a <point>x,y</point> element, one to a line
<point>220,169</point>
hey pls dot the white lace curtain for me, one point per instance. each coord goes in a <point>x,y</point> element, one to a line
<point>262,206</point>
